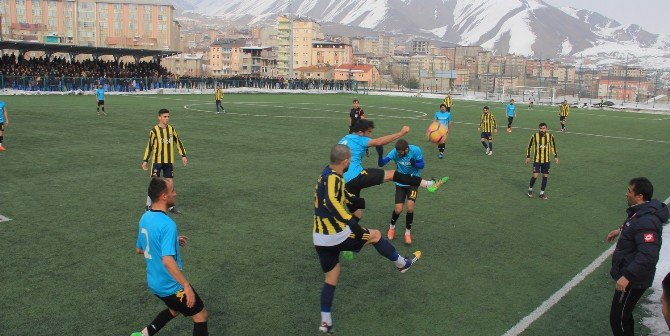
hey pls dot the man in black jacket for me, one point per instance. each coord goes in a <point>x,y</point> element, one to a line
<point>636,253</point>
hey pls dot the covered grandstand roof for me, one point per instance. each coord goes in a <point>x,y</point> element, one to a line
<point>77,49</point>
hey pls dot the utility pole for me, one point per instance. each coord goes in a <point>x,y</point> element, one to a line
<point>625,80</point>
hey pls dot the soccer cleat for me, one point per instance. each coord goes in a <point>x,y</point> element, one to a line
<point>489,153</point>
<point>530,194</point>
<point>509,130</point>
<point>391,233</point>
<point>325,328</point>
<point>408,239</point>
<point>2,149</point>
<point>138,333</point>
<point>437,184</point>
<point>410,262</point>
<point>544,197</point>
<point>441,156</point>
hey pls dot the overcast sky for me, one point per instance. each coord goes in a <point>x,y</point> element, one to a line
<point>650,14</point>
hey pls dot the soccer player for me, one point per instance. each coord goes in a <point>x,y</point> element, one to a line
<point>4,122</point>
<point>358,178</point>
<point>218,97</point>
<point>355,115</point>
<point>409,160</point>
<point>511,114</point>
<point>636,253</point>
<point>487,126</point>
<point>100,95</point>
<point>158,240</point>
<point>443,116</point>
<point>563,114</point>
<point>448,102</point>
<point>335,229</point>
<point>541,144</point>
<point>531,100</point>
<point>162,138</point>
<point>665,299</point>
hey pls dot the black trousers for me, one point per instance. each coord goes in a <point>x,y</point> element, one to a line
<point>621,313</point>
<point>509,121</point>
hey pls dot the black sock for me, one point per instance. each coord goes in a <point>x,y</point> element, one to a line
<point>394,217</point>
<point>200,329</point>
<point>406,179</point>
<point>484,144</point>
<point>441,147</point>
<point>2,137</point>
<point>103,109</point>
<point>409,219</point>
<point>532,182</point>
<point>544,183</point>
<point>97,109</point>
<point>491,146</point>
<point>159,322</point>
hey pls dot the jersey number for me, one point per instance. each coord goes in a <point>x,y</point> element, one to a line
<point>147,255</point>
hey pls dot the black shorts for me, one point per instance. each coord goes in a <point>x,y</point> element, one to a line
<point>541,167</point>
<point>510,119</point>
<point>2,126</point>
<point>101,102</point>
<point>329,256</point>
<point>561,118</point>
<point>166,168</point>
<point>218,102</point>
<point>487,136</point>
<point>405,193</point>
<point>177,302</point>
<point>448,108</point>
<point>367,178</point>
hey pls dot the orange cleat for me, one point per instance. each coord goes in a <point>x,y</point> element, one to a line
<point>391,233</point>
<point>2,149</point>
<point>408,239</point>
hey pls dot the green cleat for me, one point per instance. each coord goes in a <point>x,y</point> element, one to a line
<point>437,184</point>
<point>139,333</point>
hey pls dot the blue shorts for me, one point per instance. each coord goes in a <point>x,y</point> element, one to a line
<point>166,168</point>
<point>487,136</point>
<point>541,168</point>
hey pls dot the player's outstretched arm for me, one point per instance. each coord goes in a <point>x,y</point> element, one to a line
<point>387,139</point>
<point>175,272</point>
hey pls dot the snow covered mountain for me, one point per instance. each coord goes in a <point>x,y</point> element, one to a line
<point>524,27</point>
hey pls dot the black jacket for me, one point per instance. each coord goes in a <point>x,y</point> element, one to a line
<point>639,244</point>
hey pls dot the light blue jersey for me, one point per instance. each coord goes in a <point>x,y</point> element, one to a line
<point>158,238</point>
<point>2,111</point>
<point>357,144</point>
<point>403,163</point>
<point>443,117</point>
<point>510,110</point>
<point>100,93</point>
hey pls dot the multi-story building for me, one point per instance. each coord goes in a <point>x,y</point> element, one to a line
<point>420,47</point>
<point>258,61</point>
<point>387,45</point>
<point>331,53</point>
<point>363,73</point>
<point>139,24</point>
<point>184,64</point>
<point>295,38</point>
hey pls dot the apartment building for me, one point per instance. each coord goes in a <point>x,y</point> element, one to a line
<point>138,24</point>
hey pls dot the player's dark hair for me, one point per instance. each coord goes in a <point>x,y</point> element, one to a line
<point>642,186</point>
<point>355,101</point>
<point>542,124</point>
<point>157,187</point>
<point>485,108</point>
<point>445,105</point>
<point>666,287</point>
<point>339,153</point>
<point>401,144</point>
<point>163,111</point>
<point>363,125</point>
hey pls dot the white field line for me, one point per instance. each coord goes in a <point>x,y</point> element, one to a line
<point>553,300</point>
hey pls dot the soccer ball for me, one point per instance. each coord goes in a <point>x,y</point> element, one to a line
<point>436,132</point>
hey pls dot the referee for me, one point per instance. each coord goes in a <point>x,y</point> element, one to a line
<point>160,149</point>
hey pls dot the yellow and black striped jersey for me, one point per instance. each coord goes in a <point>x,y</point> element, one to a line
<point>565,110</point>
<point>218,95</point>
<point>331,217</point>
<point>487,122</point>
<point>448,101</point>
<point>161,144</point>
<point>542,146</point>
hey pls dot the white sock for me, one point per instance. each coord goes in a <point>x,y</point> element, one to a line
<point>148,201</point>
<point>400,262</point>
<point>325,317</point>
<point>407,231</point>
<point>426,184</point>
<point>391,226</point>
<point>145,332</point>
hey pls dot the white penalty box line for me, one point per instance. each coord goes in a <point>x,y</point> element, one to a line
<point>553,300</point>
